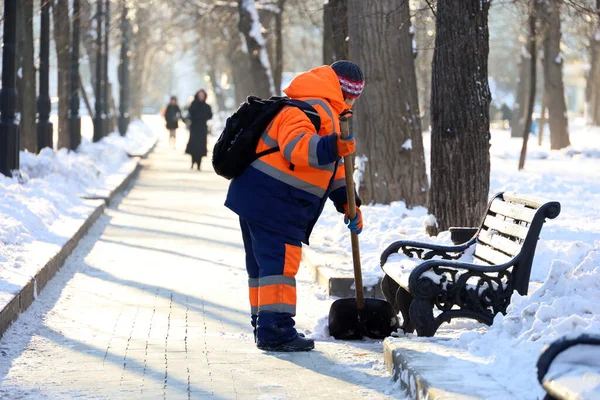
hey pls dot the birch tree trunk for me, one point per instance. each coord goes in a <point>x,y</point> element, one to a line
<point>460,103</point>
<point>62,40</point>
<point>553,79</point>
<point>261,77</point>
<point>387,119</point>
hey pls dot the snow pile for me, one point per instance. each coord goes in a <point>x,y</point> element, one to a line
<point>43,208</point>
<point>566,269</point>
<point>573,181</point>
<point>565,305</point>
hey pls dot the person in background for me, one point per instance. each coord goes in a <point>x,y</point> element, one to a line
<point>199,113</point>
<point>172,116</point>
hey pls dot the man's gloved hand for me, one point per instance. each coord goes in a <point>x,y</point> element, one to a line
<point>345,147</point>
<point>356,225</point>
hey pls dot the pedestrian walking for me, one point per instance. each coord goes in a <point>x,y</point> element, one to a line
<point>280,196</point>
<point>172,117</point>
<point>199,113</point>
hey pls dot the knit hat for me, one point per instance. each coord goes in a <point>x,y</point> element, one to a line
<point>351,78</point>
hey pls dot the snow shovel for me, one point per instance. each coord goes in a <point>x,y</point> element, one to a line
<point>351,319</point>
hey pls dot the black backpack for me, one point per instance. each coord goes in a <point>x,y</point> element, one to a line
<point>236,148</point>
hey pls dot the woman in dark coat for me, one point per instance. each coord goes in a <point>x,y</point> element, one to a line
<point>199,113</point>
<point>172,116</point>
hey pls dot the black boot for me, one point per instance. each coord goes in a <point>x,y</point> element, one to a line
<point>297,344</point>
<point>300,334</point>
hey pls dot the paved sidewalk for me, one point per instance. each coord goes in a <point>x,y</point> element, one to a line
<point>153,304</point>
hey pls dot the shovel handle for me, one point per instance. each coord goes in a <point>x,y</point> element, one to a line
<point>349,169</point>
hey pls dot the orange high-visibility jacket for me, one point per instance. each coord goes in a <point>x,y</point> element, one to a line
<point>285,191</point>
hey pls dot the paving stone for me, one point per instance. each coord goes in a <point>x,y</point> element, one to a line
<point>153,304</point>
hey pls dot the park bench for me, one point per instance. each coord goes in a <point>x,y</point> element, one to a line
<point>569,368</point>
<point>502,252</point>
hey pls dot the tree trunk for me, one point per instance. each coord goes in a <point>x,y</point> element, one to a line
<point>521,106</point>
<point>267,22</point>
<point>335,31</point>
<point>216,86</point>
<point>26,79</point>
<point>423,25</point>
<point>240,69</point>
<point>278,67</point>
<point>553,79</point>
<point>593,81</point>
<point>388,124</point>
<point>460,103</point>
<point>88,38</point>
<point>542,120</point>
<point>62,40</point>
<point>532,83</point>
<point>260,78</point>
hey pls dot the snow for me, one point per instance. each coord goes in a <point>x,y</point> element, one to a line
<point>566,269</point>
<point>407,145</point>
<point>360,163</point>
<point>559,58</point>
<point>578,368</point>
<point>44,207</point>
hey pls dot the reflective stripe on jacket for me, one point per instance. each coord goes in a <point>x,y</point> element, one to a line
<point>285,191</point>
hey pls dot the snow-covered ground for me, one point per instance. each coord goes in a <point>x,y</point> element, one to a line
<point>566,264</point>
<point>42,209</point>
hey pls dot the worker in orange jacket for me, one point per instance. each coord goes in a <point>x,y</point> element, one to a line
<point>280,196</point>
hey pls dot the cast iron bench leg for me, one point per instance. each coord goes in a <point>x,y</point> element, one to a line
<point>421,314</point>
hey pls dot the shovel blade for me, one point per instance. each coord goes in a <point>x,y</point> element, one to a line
<point>377,320</point>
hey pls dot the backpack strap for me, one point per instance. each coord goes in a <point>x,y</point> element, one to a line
<point>310,112</point>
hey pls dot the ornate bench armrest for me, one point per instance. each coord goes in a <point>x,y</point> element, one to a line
<point>424,251</point>
<point>460,235</point>
<point>422,288</point>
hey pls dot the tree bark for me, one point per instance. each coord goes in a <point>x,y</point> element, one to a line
<point>387,122</point>
<point>261,77</point>
<point>553,79</point>
<point>335,31</point>
<point>278,67</point>
<point>593,81</point>
<point>520,108</point>
<point>88,38</point>
<point>240,69</point>
<point>532,83</point>
<point>423,25</point>
<point>216,86</point>
<point>542,120</point>
<point>62,40</point>
<point>460,103</point>
<point>26,79</point>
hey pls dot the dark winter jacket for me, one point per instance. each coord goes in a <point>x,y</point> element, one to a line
<point>199,113</point>
<point>172,116</point>
<point>286,191</point>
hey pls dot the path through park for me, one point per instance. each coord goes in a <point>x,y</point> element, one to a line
<point>153,304</point>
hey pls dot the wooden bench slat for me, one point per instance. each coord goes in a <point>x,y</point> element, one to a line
<point>508,228</point>
<point>525,200</point>
<point>513,211</point>
<point>499,242</point>
<point>489,254</point>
